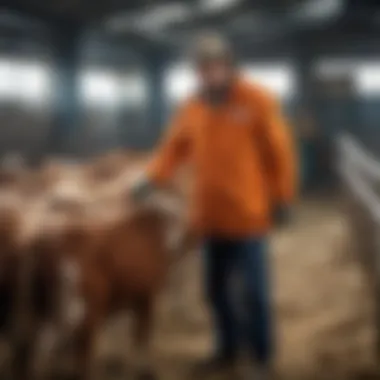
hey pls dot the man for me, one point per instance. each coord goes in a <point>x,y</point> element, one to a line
<point>244,171</point>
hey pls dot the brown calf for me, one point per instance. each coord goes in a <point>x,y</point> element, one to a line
<point>104,268</point>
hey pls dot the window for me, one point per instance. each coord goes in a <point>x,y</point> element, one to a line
<point>28,82</point>
<point>276,78</point>
<point>364,74</point>
<point>179,82</point>
<point>99,88</point>
<point>109,89</point>
<point>367,79</point>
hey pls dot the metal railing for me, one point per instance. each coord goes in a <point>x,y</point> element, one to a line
<point>360,171</point>
<point>360,174</point>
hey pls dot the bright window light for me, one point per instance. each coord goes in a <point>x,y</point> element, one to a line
<point>277,78</point>
<point>367,79</point>
<point>24,81</point>
<point>7,85</point>
<point>180,81</point>
<point>365,74</point>
<point>99,88</point>
<point>35,82</point>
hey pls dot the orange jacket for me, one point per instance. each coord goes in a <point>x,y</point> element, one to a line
<point>242,156</point>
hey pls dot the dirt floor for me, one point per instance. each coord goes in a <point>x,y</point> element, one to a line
<point>322,301</point>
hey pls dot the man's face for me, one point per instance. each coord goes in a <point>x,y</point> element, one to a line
<point>214,75</point>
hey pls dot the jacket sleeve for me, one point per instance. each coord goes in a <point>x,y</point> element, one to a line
<point>278,151</point>
<point>173,150</point>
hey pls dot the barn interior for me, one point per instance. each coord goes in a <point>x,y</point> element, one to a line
<point>80,79</point>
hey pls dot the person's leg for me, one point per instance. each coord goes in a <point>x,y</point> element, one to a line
<point>219,264</point>
<point>253,261</point>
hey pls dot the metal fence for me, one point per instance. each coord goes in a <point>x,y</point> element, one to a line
<point>360,174</point>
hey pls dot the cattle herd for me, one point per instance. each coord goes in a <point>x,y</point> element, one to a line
<point>75,249</point>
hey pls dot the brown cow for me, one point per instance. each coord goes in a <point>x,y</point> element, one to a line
<point>89,253</point>
<point>25,300</point>
<point>106,268</point>
<point>18,293</point>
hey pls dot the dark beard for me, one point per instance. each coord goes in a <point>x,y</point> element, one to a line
<point>217,96</point>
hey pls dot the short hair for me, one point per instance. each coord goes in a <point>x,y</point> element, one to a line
<point>209,46</point>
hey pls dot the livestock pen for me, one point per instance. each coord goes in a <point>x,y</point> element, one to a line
<point>324,304</point>
<point>86,92</point>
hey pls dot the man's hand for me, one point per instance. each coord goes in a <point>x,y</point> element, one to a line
<point>282,215</point>
<point>141,190</point>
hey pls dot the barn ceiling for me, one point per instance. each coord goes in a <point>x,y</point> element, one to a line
<point>186,11</point>
<point>170,22</point>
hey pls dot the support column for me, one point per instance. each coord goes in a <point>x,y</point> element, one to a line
<point>310,129</point>
<point>305,81</point>
<point>157,102</point>
<point>66,101</point>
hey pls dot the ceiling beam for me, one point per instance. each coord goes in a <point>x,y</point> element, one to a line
<point>39,14</point>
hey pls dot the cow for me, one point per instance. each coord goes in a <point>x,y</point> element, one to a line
<point>104,267</point>
<point>79,254</point>
<point>20,285</point>
<point>79,250</point>
<point>24,297</point>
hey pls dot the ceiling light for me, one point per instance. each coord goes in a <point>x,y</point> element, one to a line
<point>152,19</point>
<point>217,5</point>
<point>319,9</point>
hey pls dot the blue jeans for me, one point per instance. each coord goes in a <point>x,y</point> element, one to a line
<point>243,317</point>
